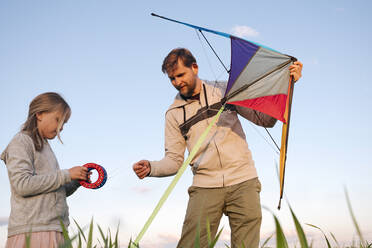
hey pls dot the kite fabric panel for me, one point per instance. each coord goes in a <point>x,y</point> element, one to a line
<point>259,78</point>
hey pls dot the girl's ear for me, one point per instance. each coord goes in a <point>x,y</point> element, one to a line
<point>39,116</point>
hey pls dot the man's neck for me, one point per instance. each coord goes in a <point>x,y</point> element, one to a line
<point>193,97</point>
<point>198,87</point>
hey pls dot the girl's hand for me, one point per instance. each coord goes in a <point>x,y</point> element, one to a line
<point>142,168</point>
<point>79,173</point>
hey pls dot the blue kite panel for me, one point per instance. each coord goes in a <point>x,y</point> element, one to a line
<point>242,52</point>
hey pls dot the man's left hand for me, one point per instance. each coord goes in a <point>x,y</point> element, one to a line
<point>295,70</point>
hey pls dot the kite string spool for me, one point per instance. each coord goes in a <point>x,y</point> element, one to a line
<point>102,176</point>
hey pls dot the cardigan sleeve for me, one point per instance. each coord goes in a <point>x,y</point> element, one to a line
<point>18,157</point>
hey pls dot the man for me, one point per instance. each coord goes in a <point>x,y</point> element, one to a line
<point>225,179</point>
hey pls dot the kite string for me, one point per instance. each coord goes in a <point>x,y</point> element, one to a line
<point>206,56</point>
<point>209,63</point>
<point>267,131</point>
<point>176,178</point>
<point>228,71</point>
<point>260,134</point>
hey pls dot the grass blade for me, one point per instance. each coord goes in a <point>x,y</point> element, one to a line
<point>353,217</point>
<point>328,244</point>
<point>267,240</point>
<point>334,238</point>
<point>281,241</point>
<point>80,230</point>
<point>132,244</point>
<point>213,243</point>
<point>67,239</point>
<point>109,241</point>
<point>90,235</point>
<point>79,244</point>
<point>209,233</point>
<point>103,236</point>
<point>116,243</point>
<point>300,232</point>
<point>197,239</point>
<point>28,239</point>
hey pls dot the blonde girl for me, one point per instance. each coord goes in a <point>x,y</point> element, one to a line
<point>38,186</point>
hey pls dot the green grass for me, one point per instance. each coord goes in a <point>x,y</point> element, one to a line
<point>106,240</point>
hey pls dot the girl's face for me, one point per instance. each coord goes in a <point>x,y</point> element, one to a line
<point>47,123</point>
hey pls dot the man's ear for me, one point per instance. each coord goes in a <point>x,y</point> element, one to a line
<point>195,68</point>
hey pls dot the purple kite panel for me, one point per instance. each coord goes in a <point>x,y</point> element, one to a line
<point>241,53</point>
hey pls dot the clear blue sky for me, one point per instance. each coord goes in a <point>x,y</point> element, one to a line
<point>105,57</point>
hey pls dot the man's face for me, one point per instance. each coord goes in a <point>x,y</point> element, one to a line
<point>184,79</point>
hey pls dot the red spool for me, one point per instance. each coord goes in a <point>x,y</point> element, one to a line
<point>102,176</point>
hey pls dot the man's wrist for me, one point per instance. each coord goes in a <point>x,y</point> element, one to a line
<point>148,174</point>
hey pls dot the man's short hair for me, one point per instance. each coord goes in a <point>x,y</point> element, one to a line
<point>170,62</point>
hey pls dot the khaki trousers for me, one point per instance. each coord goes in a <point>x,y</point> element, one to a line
<point>240,202</point>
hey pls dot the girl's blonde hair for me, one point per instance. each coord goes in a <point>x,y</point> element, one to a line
<point>46,102</point>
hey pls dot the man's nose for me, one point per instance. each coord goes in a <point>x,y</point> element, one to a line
<point>177,81</point>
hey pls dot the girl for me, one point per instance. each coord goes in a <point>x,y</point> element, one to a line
<point>38,186</point>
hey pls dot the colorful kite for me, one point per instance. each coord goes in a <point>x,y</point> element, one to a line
<point>259,79</point>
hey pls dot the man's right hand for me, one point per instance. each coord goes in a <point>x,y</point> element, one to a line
<point>142,168</point>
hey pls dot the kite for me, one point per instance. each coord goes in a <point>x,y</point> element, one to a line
<point>259,79</point>
<point>102,177</point>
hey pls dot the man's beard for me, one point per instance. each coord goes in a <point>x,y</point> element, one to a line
<point>189,92</point>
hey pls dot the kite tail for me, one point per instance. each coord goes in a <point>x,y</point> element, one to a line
<point>176,178</point>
